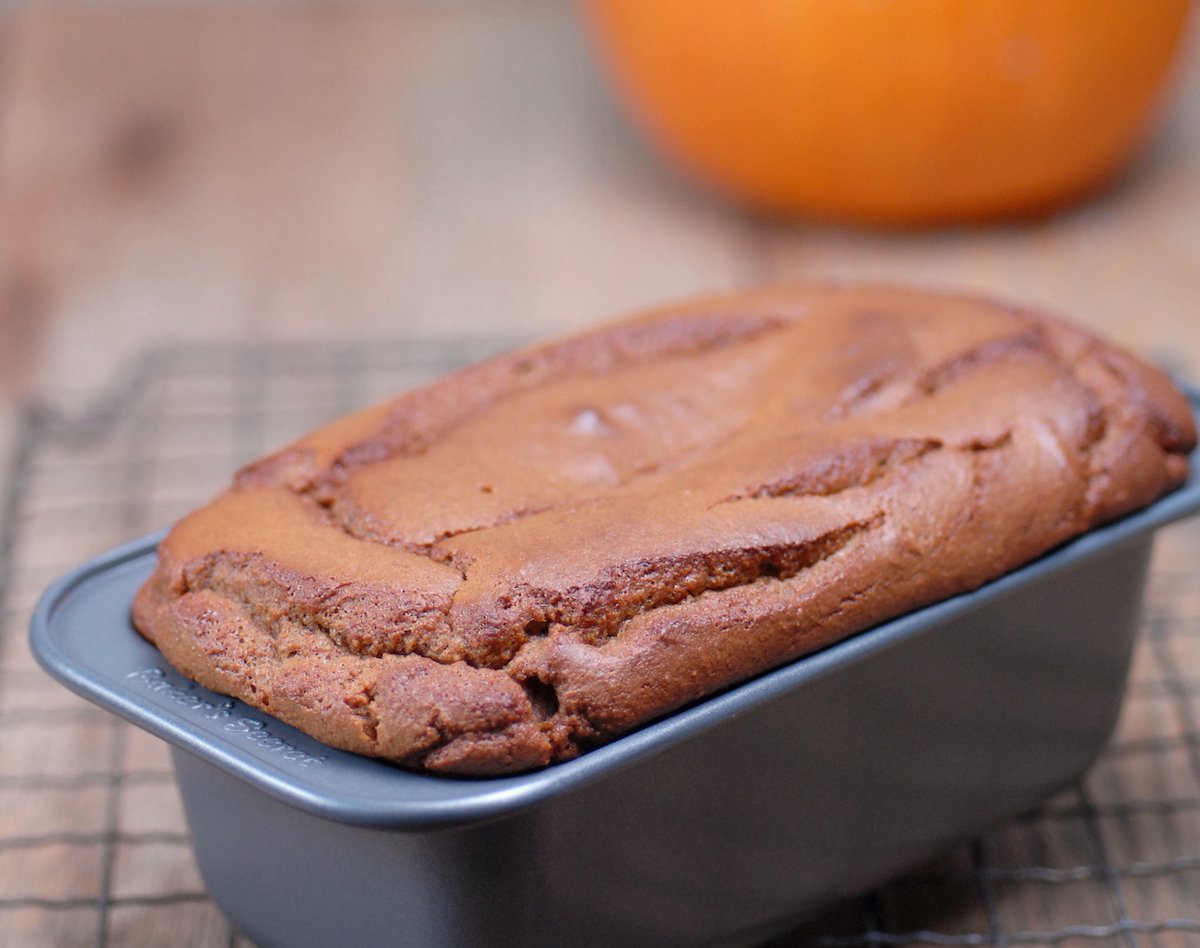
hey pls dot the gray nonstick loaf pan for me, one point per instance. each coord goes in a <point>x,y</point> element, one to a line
<point>721,824</point>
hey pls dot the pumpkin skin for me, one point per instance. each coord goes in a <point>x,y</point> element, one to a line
<point>900,112</point>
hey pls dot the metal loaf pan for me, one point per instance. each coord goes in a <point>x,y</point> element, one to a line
<point>721,824</point>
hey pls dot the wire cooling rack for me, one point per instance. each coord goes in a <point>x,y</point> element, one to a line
<point>93,845</point>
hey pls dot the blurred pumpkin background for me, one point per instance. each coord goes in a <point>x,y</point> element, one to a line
<point>892,111</point>
<point>222,223</point>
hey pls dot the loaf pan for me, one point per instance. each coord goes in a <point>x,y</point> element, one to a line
<point>722,824</point>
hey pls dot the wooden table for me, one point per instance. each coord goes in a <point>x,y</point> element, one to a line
<point>312,172</point>
<point>175,174</point>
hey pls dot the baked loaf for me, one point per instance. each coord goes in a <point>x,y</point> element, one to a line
<point>538,553</point>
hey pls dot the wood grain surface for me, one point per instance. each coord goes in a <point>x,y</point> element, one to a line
<point>314,171</point>
<point>322,172</point>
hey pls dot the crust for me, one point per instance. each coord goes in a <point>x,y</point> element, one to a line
<point>545,550</point>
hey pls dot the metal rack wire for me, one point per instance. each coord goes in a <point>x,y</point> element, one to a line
<point>93,845</point>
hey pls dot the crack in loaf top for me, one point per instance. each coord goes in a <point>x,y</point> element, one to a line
<point>541,551</point>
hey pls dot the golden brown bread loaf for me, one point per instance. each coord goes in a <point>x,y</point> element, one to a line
<point>540,552</point>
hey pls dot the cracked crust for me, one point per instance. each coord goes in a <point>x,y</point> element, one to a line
<point>545,550</point>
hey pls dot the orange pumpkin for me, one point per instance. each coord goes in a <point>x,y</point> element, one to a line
<point>895,111</point>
